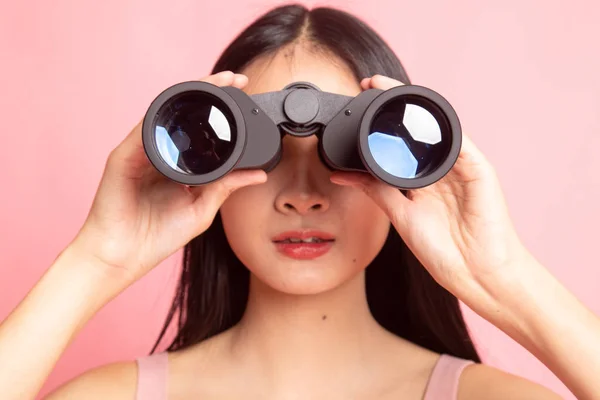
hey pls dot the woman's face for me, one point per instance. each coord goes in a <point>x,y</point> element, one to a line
<point>298,199</point>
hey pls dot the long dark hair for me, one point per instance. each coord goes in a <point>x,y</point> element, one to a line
<point>403,297</point>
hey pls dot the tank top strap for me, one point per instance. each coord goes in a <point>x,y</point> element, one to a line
<point>444,378</point>
<point>152,376</point>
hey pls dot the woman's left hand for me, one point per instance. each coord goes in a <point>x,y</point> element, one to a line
<point>459,227</point>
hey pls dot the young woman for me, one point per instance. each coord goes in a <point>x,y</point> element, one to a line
<point>376,317</point>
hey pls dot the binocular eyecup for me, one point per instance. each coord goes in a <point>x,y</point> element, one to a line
<point>195,132</point>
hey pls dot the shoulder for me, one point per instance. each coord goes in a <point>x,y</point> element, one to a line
<point>112,381</point>
<point>480,381</point>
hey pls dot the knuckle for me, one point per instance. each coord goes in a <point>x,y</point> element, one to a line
<point>113,156</point>
<point>225,189</point>
<point>368,189</point>
<point>395,217</point>
<point>228,191</point>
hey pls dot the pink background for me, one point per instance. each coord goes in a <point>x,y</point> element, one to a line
<point>76,76</point>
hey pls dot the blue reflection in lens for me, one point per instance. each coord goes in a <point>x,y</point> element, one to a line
<point>406,138</point>
<point>167,148</point>
<point>393,155</point>
<point>195,133</point>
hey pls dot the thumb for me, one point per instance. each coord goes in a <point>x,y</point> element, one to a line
<point>210,197</point>
<point>391,200</point>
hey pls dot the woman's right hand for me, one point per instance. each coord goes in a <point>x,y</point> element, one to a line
<point>139,217</point>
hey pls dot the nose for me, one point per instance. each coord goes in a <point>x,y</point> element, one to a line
<point>301,200</point>
<point>305,179</point>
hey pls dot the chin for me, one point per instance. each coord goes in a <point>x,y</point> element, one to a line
<point>305,277</point>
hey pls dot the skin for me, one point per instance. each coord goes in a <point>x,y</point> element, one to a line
<point>307,332</point>
<point>318,308</point>
<point>299,195</point>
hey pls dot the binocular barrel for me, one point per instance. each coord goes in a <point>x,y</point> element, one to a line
<point>195,132</point>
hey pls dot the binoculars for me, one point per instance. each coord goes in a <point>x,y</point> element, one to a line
<point>195,132</point>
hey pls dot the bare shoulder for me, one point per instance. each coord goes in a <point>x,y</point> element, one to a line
<point>480,381</point>
<point>114,381</point>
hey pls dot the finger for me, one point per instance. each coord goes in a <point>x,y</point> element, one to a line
<point>383,82</point>
<point>240,81</point>
<point>365,83</point>
<point>389,199</point>
<point>471,159</point>
<point>210,197</point>
<point>223,78</point>
<point>129,158</point>
<point>468,147</point>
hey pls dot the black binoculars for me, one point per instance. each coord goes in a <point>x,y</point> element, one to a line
<point>195,132</point>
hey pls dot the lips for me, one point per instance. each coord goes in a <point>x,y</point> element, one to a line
<point>304,245</point>
<point>307,235</point>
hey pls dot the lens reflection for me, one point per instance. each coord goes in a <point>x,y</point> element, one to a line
<point>195,133</point>
<point>408,138</point>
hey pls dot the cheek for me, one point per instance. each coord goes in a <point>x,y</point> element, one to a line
<point>365,226</point>
<point>244,215</point>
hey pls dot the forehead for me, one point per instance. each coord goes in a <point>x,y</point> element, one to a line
<point>298,63</point>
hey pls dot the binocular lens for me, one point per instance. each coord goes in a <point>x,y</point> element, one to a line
<point>195,132</point>
<point>409,137</point>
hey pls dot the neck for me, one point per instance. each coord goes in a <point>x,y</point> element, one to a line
<point>302,340</point>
